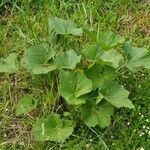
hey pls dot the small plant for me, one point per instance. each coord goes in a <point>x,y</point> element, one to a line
<point>85,82</point>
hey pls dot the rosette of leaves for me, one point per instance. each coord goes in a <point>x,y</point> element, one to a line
<point>94,90</point>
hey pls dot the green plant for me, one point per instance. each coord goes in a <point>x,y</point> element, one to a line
<point>84,82</point>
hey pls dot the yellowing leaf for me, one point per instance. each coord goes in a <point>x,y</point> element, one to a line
<point>10,64</point>
<point>73,85</point>
<point>25,105</point>
<point>52,128</point>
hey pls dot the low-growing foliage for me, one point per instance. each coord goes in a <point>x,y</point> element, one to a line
<point>25,105</point>
<point>85,81</point>
<point>53,128</point>
<point>10,64</point>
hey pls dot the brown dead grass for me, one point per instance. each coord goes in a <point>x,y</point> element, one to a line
<point>139,22</point>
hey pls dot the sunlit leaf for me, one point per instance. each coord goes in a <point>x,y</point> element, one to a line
<point>105,39</point>
<point>95,52</point>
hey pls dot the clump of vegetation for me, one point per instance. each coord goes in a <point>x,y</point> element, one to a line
<point>83,85</point>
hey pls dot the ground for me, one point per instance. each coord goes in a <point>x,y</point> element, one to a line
<point>24,22</point>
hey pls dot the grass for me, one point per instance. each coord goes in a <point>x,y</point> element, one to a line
<point>24,23</point>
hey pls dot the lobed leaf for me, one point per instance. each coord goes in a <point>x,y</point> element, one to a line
<point>114,57</point>
<point>92,52</point>
<point>25,105</point>
<point>73,85</point>
<point>116,95</point>
<point>137,57</point>
<point>108,40</point>
<point>52,128</point>
<point>36,59</point>
<point>67,60</point>
<point>100,74</point>
<point>10,64</point>
<point>61,26</point>
<point>96,52</point>
<point>96,115</point>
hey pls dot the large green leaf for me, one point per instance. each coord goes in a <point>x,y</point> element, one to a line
<point>68,59</point>
<point>95,52</point>
<point>112,56</point>
<point>96,115</point>
<point>137,57</point>
<point>52,128</point>
<point>100,74</point>
<point>109,39</point>
<point>61,26</point>
<point>25,105</point>
<point>92,33</point>
<point>73,85</point>
<point>36,58</point>
<point>116,95</point>
<point>106,39</point>
<point>10,64</point>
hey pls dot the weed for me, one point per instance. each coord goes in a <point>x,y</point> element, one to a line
<point>49,89</point>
